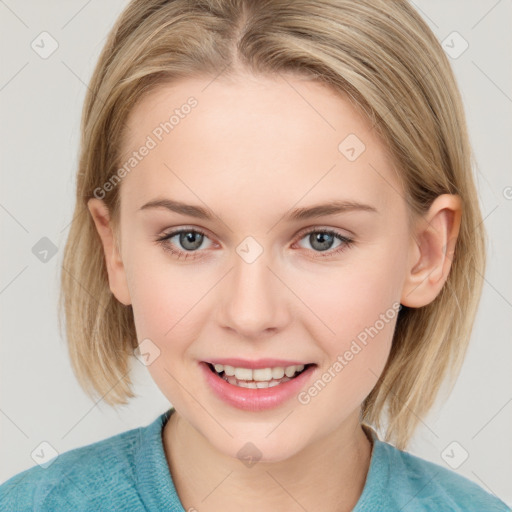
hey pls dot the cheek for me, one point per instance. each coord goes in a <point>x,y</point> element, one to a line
<point>167,310</point>
<point>161,305</point>
<point>352,312</point>
<point>167,298</point>
<point>347,298</point>
<point>354,337</point>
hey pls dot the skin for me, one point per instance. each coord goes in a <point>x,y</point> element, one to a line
<point>253,149</point>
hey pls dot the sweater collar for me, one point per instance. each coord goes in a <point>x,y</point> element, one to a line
<point>157,490</point>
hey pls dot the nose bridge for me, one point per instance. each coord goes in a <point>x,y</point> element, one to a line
<point>254,298</point>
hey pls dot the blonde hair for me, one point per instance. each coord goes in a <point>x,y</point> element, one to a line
<point>388,63</point>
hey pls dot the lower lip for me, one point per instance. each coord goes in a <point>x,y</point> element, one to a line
<point>258,399</point>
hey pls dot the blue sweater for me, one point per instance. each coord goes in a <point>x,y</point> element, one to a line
<point>129,471</point>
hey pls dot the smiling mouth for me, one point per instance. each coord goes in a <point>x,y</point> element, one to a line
<point>258,378</point>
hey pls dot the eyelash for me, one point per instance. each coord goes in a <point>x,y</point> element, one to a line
<point>164,242</point>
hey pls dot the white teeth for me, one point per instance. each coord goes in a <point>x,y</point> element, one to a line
<point>228,370</point>
<point>260,375</point>
<point>290,371</point>
<point>243,373</point>
<point>255,385</point>
<point>278,373</point>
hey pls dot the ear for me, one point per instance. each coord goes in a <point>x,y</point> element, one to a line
<point>116,271</point>
<point>432,251</point>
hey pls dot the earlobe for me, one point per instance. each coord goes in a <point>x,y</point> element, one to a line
<point>115,268</point>
<point>432,250</point>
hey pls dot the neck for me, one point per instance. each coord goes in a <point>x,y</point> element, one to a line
<point>327,475</point>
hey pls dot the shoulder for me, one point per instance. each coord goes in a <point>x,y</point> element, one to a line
<point>91,476</point>
<point>423,485</point>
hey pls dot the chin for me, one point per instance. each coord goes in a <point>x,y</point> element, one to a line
<point>252,449</point>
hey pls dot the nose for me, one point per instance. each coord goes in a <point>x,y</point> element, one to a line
<point>254,300</point>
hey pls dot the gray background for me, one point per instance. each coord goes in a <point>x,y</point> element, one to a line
<point>41,102</point>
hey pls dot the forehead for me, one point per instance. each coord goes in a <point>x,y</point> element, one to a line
<point>283,139</point>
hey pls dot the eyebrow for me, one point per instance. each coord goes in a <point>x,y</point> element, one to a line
<point>298,214</point>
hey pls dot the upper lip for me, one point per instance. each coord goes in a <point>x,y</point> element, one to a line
<point>254,364</point>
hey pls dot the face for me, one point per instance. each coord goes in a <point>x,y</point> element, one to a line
<point>254,281</point>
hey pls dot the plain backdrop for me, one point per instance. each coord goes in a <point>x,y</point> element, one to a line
<point>41,101</point>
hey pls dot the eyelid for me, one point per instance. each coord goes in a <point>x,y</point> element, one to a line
<point>320,228</point>
<point>171,232</point>
<point>303,232</point>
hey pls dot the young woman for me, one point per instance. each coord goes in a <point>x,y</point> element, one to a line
<point>276,213</point>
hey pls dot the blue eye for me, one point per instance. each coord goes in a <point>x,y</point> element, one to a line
<point>323,240</point>
<point>191,240</point>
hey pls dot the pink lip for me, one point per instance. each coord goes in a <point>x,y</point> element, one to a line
<point>259,363</point>
<point>256,399</point>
